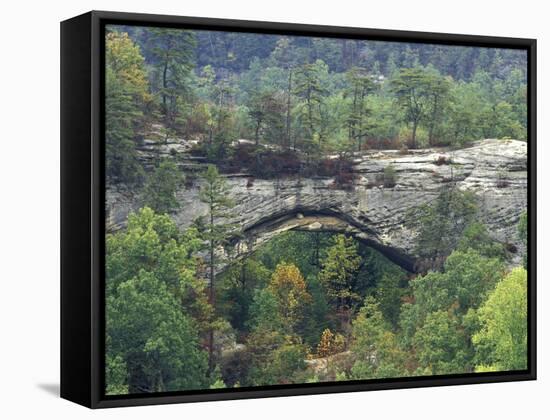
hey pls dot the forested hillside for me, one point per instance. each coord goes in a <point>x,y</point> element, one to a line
<point>185,310</point>
<point>303,94</point>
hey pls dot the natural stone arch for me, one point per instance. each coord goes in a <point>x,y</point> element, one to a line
<point>495,170</point>
<point>262,232</point>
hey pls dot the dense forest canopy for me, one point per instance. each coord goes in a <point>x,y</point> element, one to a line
<point>305,306</point>
<point>313,95</point>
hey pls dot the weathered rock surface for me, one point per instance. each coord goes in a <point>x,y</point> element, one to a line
<point>496,170</point>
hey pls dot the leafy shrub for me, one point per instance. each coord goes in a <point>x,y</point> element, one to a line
<point>388,178</point>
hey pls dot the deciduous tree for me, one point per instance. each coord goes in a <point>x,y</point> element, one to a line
<point>126,93</point>
<point>289,288</point>
<point>503,317</point>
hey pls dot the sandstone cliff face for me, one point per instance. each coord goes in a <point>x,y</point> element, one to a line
<point>496,170</point>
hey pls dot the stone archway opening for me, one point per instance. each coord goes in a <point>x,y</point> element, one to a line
<point>258,234</point>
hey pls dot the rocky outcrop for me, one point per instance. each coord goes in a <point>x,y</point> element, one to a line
<point>496,170</point>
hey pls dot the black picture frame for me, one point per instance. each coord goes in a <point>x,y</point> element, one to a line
<point>83,214</point>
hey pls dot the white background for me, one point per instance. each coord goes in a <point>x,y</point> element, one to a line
<point>29,209</point>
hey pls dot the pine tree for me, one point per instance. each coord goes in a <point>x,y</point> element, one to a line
<point>338,276</point>
<point>216,230</point>
<point>264,108</point>
<point>310,89</point>
<point>438,102</point>
<point>160,189</point>
<point>412,88</point>
<point>360,86</point>
<point>174,53</point>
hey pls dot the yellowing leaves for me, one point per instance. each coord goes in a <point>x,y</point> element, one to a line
<point>289,288</point>
<point>124,58</point>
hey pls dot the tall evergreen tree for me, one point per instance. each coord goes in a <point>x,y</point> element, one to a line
<point>310,89</point>
<point>173,52</point>
<point>438,101</point>
<point>411,87</point>
<point>338,276</point>
<point>216,230</point>
<point>360,86</point>
<point>161,186</point>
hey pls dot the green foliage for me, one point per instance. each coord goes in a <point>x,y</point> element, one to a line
<point>264,312</point>
<point>286,363</point>
<point>441,305</point>
<point>304,250</point>
<point>339,271</point>
<point>283,364</point>
<point>154,305</point>
<point>523,234</point>
<point>126,93</point>
<point>266,110</point>
<point>503,318</point>
<point>476,237</point>
<point>389,292</point>
<point>319,96</point>
<point>412,88</point>
<point>464,283</point>
<point>361,85</point>
<point>389,177</point>
<point>308,105</point>
<point>441,345</point>
<point>289,288</point>
<point>172,52</point>
<point>439,99</point>
<point>157,341</point>
<point>216,229</point>
<point>152,242</point>
<point>116,375</point>
<point>309,87</point>
<point>237,286</point>
<point>218,384</point>
<point>275,356</point>
<point>442,222</point>
<point>470,277</point>
<point>374,345</point>
<point>159,192</point>
<point>316,316</point>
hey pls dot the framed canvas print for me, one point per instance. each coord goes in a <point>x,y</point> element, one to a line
<point>255,209</point>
